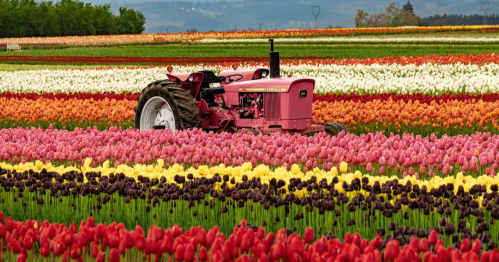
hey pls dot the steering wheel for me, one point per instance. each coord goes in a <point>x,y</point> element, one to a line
<point>224,78</point>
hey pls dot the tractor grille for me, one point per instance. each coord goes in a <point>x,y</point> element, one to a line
<point>272,105</point>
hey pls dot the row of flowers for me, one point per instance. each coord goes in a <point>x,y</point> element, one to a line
<point>478,59</point>
<point>433,79</point>
<point>399,39</point>
<point>147,60</point>
<point>177,37</point>
<point>114,243</point>
<point>423,115</point>
<point>452,117</point>
<point>422,99</point>
<point>377,154</point>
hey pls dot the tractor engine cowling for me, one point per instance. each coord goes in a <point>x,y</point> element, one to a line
<point>276,102</point>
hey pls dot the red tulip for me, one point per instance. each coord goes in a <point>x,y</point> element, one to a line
<point>432,238</point>
<point>210,237</point>
<point>151,246</point>
<point>203,254</point>
<point>28,243</point>
<point>90,222</point>
<point>101,257</point>
<point>14,246</point>
<point>59,248</point>
<point>84,238</point>
<point>363,244</point>
<point>260,233</point>
<point>179,252</point>
<point>226,254</point>
<point>465,245</point>
<point>243,258</point>
<point>100,231</point>
<point>423,246</point>
<point>95,250</point>
<point>246,243</point>
<point>494,255</point>
<point>426,256</point>
<point>3,231</point>
<point>122,247</point>
<point>128,239</point>
<point>277,251</point>
<point>377,256</point>
<point>356,239</point>
<point>75,252</point>
<point>45,250</point>
<point>309,235</point>
<point>217,244</point>
<point>348,238</point>
<point>456,255</point>
<point>72,228</point>
<point>470,256</point>
<point>21,258</point>
<point>392,250</point>
<point>414,244</point>
<point>8,224</point>
<point>114,255</point>
<point>264,258</point>
<point>238,236</point>
<point>201,236</point>
<point>367,258</point>
<point>177,230</point>
<point>140,242</point>
<point>68,239</point>
<point>113,240</point>
<point>270,239</point>
<point>189,253</point>
<point>442,254</point>
<point>353,252</point>
<point>476,246</point>
<point>485,257</point>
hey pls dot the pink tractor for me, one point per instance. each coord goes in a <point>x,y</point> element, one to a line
<point>246,99</point>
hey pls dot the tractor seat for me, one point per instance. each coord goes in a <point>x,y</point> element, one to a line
<point>210,77</point>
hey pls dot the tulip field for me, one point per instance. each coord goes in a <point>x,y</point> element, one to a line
<point>415,178</point>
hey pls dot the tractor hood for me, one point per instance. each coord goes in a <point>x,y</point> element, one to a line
<point>279,84</point>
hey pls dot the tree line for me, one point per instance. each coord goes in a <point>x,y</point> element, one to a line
<point>393,16</point>
<point>476,19</point>
<point>27,18</point>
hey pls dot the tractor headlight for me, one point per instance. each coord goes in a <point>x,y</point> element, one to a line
<point>191,78</point>
<point>263,74</point>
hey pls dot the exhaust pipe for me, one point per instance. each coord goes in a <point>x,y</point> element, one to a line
<point>274,68</point>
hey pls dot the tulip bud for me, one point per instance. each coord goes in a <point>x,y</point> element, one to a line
<point>392,250</point>
<point>21,258</point>
<point>432,238</point>
<point>309,235</point>
<point>203,254</point>
<point>100,257</point>
<point>343,167</point>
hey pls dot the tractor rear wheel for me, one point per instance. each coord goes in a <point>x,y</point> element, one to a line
<point>164,104</point>
<point>333,128</point>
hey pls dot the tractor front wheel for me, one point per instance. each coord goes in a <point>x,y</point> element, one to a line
<point>333,128</point>
<point>166,105</point>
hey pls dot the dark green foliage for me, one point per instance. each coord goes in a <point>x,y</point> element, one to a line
<point>456,19</point>
<point>27,18</point>
<point>408,8</point>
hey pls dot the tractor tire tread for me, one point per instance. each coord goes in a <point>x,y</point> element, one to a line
<point>184,105</point>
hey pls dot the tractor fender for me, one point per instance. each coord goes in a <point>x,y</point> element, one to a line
<point>183,79</point>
